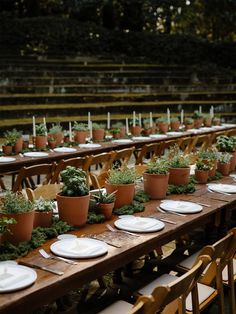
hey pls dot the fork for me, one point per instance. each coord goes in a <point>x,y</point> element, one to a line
<point>224,193</point>
<point>46,255</point>
<point>109,227</point>
<point>169,212</point>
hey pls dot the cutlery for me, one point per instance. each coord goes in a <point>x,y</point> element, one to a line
<point>109,227</point>
<point>54,271</point>
<point>168,221</point>
<point>107,242</point>
<point>224,193</point>
<point>169,212</point>
<point>46,255</point>
<point>199,203</point>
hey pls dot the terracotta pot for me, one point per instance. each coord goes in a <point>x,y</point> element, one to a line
<point>80,136</point>
<point>224,168</point>
<point>197,123</point>
<point>208,122</point>
<point>43,219</point>
<point>41,141</point>
<point>124,194</point>
<point>66,139</point>
<point>105,209</point>
<point>98,134</point>
<point>52,144</point>
<point>73,210</point>
<point>163,127</point>
<point>22,229</point>
<point>135,130</point>
<point>7,149</point>
<point>201,176</point>
<point>147,131</point>
<point>179,176</point>
<point>1,239</point>
<point>175,125</point>
<point>58,137</point>
<point>233,161</point>
<point>116,135</point>
<point>19,145</point>
<point>122,132</point>
<point>189,126</point>
<point>212,171</point>
<point>155,185</point>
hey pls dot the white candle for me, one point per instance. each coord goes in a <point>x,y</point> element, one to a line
<point>140,119</point>
<point>182,116</point>
<point>200,109</point>
<point>91,129</point>
<point>34,129</point>
<point>45,124</point>
<point>168,115</point>
<point>108,120</point>
<point>212,112</point>
<point>127,125</point>
<point>151,124</point>
<point>70,133</point>
<point>133,118</point>
<point>89,119</point>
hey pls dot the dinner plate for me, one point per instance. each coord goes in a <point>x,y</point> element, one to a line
<point>7,159</point>
<point>64,150</point>
<point>14,277</point>
<point>140,138</point>
<point>157,135</point>
<point>173,133</point>
<point>181,206</point>
<point>89,145</point>
<point>225,188</point>
<point>139,224</point>
<point>35,154</point>
<point>79,248</point>
<point>122,141</point>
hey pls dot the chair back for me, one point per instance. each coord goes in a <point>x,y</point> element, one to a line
<point>48,191</point>
<point>150,151</point>
<point>200,142</point>
<point>122,157</point>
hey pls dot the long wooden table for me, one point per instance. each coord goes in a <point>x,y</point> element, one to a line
<point>21,161</point>
<point>49,287</point>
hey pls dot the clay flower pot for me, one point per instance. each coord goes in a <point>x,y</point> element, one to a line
<point>41,141</point>
<point>212,171</point>
<point>208,122</point>
<point>201,176</point>
<point>98,134</point>
<point>80,136</point>
<point>135,130</point>
<point>189,126</point>
<point>74,209</point>
<point>233,161</point>
<point>224,168</point>
<point>197,123</point>
<point>163,127</point>
<point>22,229</point>
<point>179,176</point>
<point>155,185</point>
<point>58,137</point>
<point>175,125</point>
<point>124,194</point>
<point>52,144</point>
<point>105,209</point>
<point>19,145</point>
<point>43,219</point>
<point>122,132</point>
<point>7,149</point>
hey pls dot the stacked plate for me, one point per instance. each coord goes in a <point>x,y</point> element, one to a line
<point>182,207</point>
<point>222,188</point>
<point>35,154</point>
<point>139,224</point>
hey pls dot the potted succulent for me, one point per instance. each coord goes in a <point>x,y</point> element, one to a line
<point>4,223</point>
<point>16,206</point>
<point>43,212</point>
<point>52,142</point>
<point>66,135</point>
<point>98,131</point>
<point>10,139</point>
<point>73,200</point>
<point>156,178</point>
<point>147,129</point>
<point>188,122</point>
<point>223,164</point>
<point>174,123</point>
<point>105,202</point>
<point>227,144</point>
<point>207,120</point>
<point>122,180</point>
<point>202,171</point>
<point>80,132</point>
<point>162,124</point>
<point>209,155</point>
<point>118,129</point>
<point>197,119</point>
<point>135,127</point>
<point>56,132</point>
<point>178,166</point>
<point>216,120</point>
<point>41,136</point>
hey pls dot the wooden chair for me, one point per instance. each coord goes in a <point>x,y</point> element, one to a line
<point>77,162</point>
<point>97,167</point>
<point>200,142</point>
<point>148,150</point>
<point>185,144</point>
<point>224,251</point>
<point>160,299</point>
<point>47,191</point>
<point>31,176</point>
<point>167,144</point>
<point>122,157</point>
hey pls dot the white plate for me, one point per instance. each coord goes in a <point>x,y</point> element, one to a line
<point>35,154</point>
<point>122,141</point>
<point>64,150</point>
<point>7,159</point>
<point>14,277</point>
<point>225,188</point>
<point>79,248</point>
<point>157,135</point>
<point>139,224</point>
<point>173,133</point>
<point>206,128</point>
<point>66,236</point>
<point>140,138</point>
<point>89,145</point>
<point>181,207</point>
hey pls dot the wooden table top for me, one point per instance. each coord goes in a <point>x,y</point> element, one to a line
<point>21,160</point>
<point>49,287</point>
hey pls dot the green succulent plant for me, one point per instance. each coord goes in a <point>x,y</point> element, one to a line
<point>176,157</point>
<point>226,143</point>
<point>44,205</point>
<point>75,182</point>
<point>159,166</point>
<point>80,126</point>
<point>5,222</point>
<point>104,198</point>
<point>122,176</point>
<point>56,128</point>
<point>15,203</point>
<point>41,129</point>
<point>224,157</point>
<point>11,137</point>
<point>97,126</point>
<point>201,165</point>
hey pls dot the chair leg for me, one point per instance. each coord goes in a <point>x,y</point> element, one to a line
<point>219,286</point>
<point>231,289</point>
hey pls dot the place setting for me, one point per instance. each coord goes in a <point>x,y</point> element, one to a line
<point>180,207</point>
<point>226,189</point>
<point>64,150</point>
<point>139,224</point>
